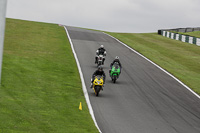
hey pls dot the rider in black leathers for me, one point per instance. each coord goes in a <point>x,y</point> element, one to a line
<point>100,51</point>
<point>99,71</point>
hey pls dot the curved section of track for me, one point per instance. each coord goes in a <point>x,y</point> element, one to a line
<point>143,100</point>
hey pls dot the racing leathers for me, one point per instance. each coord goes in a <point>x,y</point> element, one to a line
<point>100,51</point>
<point>97,72</point>
<point>115,61</point>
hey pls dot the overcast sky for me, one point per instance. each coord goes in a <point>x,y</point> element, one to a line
<point>135,16</point>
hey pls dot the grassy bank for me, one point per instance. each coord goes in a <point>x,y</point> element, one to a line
<point>41,89</point>
<point>179,58</point>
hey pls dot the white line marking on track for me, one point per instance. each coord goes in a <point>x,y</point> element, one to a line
<point>83,82</point>
<point>156,66</point>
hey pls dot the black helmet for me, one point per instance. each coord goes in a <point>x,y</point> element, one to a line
<point>100,68</point>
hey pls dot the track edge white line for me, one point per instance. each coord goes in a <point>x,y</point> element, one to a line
<point>83,82</point>
<point>155,65</point>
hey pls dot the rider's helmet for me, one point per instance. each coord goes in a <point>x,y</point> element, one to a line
<point>101,46</point>
<point>100,68</point>
<point>117,57</point>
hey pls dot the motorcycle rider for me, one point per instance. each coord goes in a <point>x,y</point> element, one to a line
<point>116,60</point>
<point>100,51</point>
<point>99,71</point>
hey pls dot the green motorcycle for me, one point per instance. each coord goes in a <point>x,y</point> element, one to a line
<point>115,72</point>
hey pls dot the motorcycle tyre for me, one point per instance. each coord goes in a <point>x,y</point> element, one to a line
<point>97,90</point>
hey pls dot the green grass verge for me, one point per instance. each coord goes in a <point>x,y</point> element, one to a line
<point>41,88</point>
<point>179,58</point>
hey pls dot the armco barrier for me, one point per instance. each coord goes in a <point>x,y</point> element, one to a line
<point>180,37</point>
<point>189,29</point>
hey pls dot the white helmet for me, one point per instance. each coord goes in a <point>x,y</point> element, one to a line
<point>101,46</point>
<point>117,57</point>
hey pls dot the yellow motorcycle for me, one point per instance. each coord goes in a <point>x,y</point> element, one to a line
<point>98,84</point>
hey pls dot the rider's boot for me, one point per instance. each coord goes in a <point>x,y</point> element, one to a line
<point>103,61</point>
<point>96,60</point>
<point>91,86</point>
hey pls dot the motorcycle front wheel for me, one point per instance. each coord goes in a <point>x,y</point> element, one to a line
<point>97,90</point>
<point>114,78</point>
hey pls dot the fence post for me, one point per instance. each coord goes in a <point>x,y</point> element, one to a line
<point>3,4</point>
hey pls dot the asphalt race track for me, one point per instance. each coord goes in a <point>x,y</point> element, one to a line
<point>143,100</point>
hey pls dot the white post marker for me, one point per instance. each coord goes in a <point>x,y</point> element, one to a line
<point>172,35</point>
<point>177,36</point>
<point>191,40</point>
<point>198,42</point>
<point>164,33</point>
<point>167,34</point>
<point>2,30</point>
<point>183,38</point>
